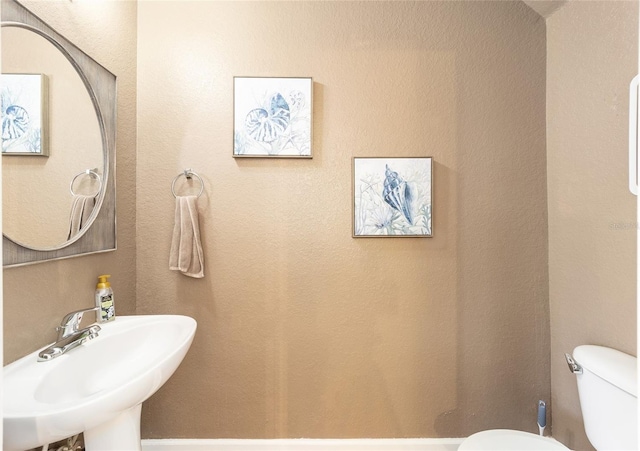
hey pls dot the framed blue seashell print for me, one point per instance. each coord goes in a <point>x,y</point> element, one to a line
<point>272,117</point>
<point>392,197</point>
<point>24,112</point>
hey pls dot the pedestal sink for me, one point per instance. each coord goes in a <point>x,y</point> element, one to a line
<point>97,388</point>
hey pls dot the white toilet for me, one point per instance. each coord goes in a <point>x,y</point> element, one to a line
<point>607,386</point>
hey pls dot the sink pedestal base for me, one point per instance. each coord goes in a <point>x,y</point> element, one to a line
<point>121,433</point>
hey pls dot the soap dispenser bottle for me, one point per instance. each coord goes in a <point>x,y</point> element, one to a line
<point>104,299</point>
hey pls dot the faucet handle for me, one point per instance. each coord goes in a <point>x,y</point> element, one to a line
<point>71,322</point>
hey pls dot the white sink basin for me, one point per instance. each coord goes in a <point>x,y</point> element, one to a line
<point>97,388</point>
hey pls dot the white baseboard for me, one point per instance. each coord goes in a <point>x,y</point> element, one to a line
<point>422,444</point>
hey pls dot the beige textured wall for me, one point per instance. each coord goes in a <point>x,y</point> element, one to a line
<point>592,52</point>
<point>304,331</point>
<point>36,297</point>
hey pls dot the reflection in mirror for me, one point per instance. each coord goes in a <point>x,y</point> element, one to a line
<point>38,205</point>
<point>61,205</point>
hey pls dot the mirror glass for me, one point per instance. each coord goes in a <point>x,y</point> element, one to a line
<point>36,190</point>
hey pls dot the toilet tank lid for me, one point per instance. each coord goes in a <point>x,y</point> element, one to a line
<point>615,367</point>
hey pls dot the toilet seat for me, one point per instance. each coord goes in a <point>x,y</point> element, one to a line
<point>509,440</point>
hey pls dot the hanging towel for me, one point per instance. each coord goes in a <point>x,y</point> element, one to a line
<point>186,253</point>
<point>81,208</point>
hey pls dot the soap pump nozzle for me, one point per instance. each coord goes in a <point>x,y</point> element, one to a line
<point>103,282</point>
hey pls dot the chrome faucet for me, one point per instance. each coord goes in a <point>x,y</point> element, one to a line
<point>69,334</point>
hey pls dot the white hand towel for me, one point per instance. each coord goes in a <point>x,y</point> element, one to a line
<point>186,253</point>
<point>81,208</point>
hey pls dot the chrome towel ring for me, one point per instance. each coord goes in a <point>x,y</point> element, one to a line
<point>91,173</point>
<point>187,173</point>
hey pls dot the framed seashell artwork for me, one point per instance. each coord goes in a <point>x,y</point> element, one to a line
<point>24,112</point>
<point>392,197</point>
<point>272,117</point>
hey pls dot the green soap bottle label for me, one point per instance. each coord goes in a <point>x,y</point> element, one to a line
<point>107,310</point>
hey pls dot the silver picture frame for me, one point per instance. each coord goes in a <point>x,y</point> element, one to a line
<point>392,197</point>
<point>273,117</point>
<point>24,114</point>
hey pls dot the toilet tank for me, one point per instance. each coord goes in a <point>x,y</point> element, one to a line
<point>608,397</point>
